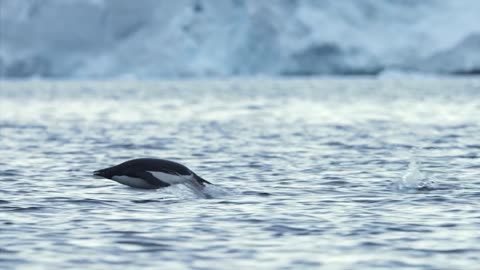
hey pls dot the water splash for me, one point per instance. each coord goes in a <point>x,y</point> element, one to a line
<point>414,178</point>
<point>189,192</point>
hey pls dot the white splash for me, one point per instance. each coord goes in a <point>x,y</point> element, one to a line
<point>414,178</point>
<point>194,191</point>
<point>196,188</point>
<point>183,191</point>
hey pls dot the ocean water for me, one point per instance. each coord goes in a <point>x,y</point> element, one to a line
<point>308,174</point>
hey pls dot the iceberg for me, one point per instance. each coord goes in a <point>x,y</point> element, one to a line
<point>217,38</point>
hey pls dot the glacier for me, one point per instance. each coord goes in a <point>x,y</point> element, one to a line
<point>217,38</point>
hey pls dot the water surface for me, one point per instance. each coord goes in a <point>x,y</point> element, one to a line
<point>308,174</point>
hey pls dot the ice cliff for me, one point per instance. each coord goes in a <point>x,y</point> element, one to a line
<point>181,38</point>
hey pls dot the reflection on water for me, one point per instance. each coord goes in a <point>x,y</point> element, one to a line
<point>306,174</point>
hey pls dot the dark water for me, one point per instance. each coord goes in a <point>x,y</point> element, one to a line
<point>309,174</point>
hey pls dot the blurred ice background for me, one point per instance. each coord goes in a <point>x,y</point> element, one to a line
<point>216,38</point>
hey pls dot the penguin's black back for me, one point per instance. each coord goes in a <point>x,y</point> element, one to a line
<point>153,164</point>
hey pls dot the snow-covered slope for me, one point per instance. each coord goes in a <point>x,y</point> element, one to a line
<point>177,38</point>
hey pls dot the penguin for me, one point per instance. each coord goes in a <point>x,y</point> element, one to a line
<point>152,173</point>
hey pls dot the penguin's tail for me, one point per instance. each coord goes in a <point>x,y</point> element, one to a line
<point>201,181</point>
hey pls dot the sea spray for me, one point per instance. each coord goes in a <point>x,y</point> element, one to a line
<point>414,178</point>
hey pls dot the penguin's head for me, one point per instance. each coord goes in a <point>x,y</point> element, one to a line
<point>105,173</point>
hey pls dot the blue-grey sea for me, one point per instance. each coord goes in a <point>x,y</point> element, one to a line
<point>354,173</point>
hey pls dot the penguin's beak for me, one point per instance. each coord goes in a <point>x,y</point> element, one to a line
<point>98,174</point>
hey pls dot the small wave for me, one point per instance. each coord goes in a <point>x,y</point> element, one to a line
<point>256,193</point>
<point>280,230</point>
<point>9,173</point>
<point>22,209</point>
<point>7,251</point>
<point>146,201</point>
<point>143,243</point>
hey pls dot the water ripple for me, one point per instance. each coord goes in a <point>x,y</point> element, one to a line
<point>308,174</point>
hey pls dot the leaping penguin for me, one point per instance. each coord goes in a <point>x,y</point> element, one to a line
<point>152,173</point>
